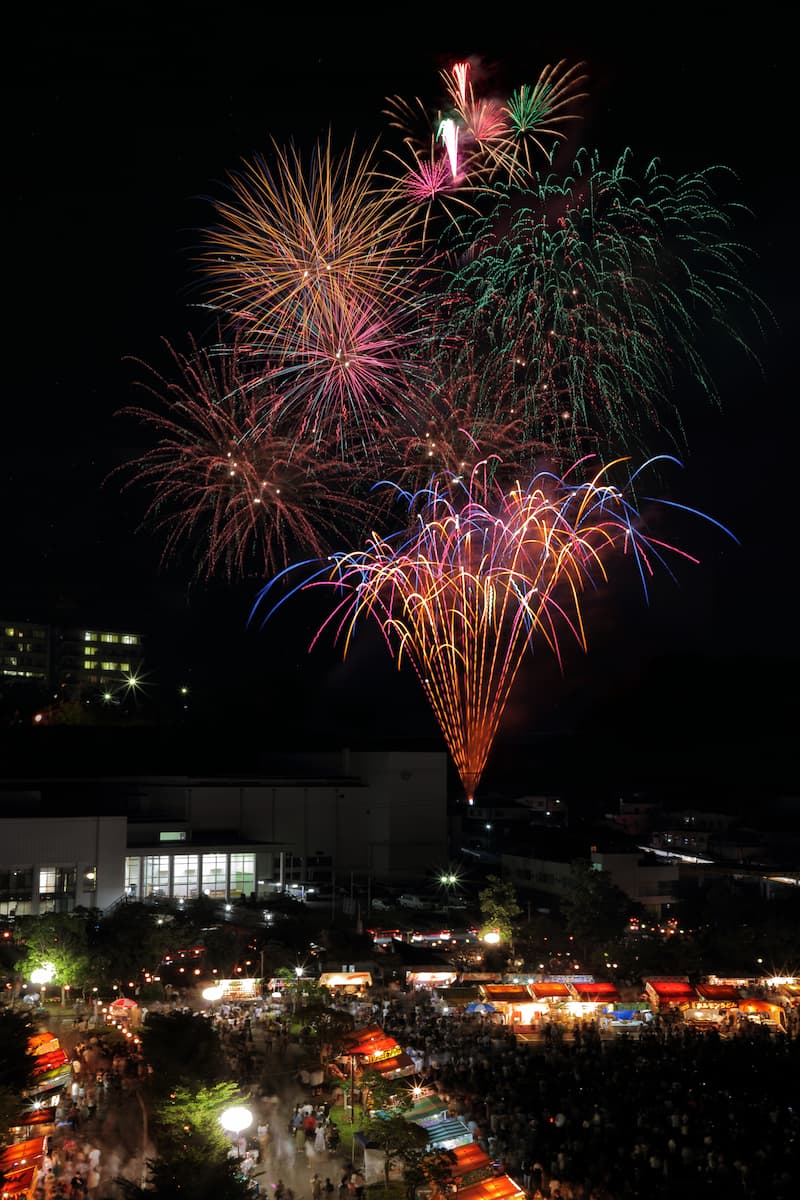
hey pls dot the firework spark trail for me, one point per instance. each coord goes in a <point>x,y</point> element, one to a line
<point>586,297</point>
<point>483,574</point>
<point>226,482</point>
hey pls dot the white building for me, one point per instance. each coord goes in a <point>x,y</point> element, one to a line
<point>379,815</point>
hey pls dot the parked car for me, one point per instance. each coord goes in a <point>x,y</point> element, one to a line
<point>380,904</point>
<point>410,900</point>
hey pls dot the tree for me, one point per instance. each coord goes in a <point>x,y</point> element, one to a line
<point>595,911</point>
<point>431,1169</point>
<point>193,1159</point>
<point>16,1060</point>
<point>397,1138</point>
<point>57,939</point>
<point>129,940</point>
<point>499,907</point>
<point>385,1095</point>
<point>183,1049</point>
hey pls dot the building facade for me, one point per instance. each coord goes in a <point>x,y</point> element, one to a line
<point>380,816</point>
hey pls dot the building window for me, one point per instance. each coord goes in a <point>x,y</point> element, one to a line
<point>90,650</point>
<point>186,876</point>
<point>215,875</point>
<point>133,866</point>
<point>9,631</point>
<point>172,835</point>
<point>156,875</point>
<point>243,874</point>
<point>130,639</point>
<point>89,637</point>
<point>56,881</point>
<point>90,879</point>
<point>109,666</point>
<point>109,637</point>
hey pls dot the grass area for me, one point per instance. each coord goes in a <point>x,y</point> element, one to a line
<point>340,1115</point>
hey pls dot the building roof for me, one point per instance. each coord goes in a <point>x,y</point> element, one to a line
<point>506,993</point>
<point>496,1187</point>
<point>598,991</point>
<point>722,992</point>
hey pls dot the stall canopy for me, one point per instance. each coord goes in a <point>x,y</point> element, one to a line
<point>18,1183</point>
<point>550,990</point>
<point>470,1160</point>
<point>395,1064</point>
<point>22,1154</point>
<point>671,991</point>
<point>497,1187</point>
<point>370,1039</point>
<point>356,979</point>
<point>446,1133</point>
<point>506,993</point>
<point>597,992</point>
<point>718,993</point>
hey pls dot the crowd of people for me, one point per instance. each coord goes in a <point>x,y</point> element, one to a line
<point>674,1111</point>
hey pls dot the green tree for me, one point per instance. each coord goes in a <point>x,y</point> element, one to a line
<point>398,1138</point>
<point>193,1152</point>
<point>384,1095</point>
<point>58,939</point>
<point>499,907</point>
<point>182,1049</point>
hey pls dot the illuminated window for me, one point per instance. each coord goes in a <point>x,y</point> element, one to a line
<point>133,866</point>
<point>130,639</point>
<point>56,881</point>
<point>90,650</point>
<point>186,875</point>
<point>170,835</point>
<point>243,874</point>
<point>9,631</point>
<point>215,875</point>
<point>90,879</point>
<point>87,664</point>
<point>89,637</point>
<point>124,666</point>
<point>109,666</point>
<point>109,637</point>
<point>156,875</point>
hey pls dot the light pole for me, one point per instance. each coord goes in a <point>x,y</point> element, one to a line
<point>42,976</point>
<point>235,1120</point>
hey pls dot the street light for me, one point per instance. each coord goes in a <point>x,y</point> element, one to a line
<point>213,994</point>
<point>235,1120</point>
<point>42,976</point>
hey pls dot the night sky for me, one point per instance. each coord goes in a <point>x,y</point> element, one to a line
<point>122,123</point>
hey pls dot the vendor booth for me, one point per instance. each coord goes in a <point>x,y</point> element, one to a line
<point>125,1009</point>
<point>346,983</point>
<point>370,1049</point>
<point>713,1003</point>
<point>591,998</point>
<point>430,977</point>
<point>19,1165</point>
<point>513,1002</point>
<point>496,1187</point>
<point>763,1012</point>
<point>669,992</point>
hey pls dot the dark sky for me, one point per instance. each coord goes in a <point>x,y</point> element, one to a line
<point>121,121</point>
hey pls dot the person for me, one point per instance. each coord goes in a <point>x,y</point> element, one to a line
<point>316,1187</point>
<point>328,1188</point>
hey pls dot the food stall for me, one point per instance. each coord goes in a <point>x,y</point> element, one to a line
<point>670,992</point>
<point>512,1001</point>
<point>346,983</point>
<point>712,1005</point>
<point>592,997</point>
<point>762,1012</point>
<point>550,998</point>
<point>19,1166</point>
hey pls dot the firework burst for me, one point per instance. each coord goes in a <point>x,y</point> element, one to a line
<point>225,481</point>
<point>483,575</point>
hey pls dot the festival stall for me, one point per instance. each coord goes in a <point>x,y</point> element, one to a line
<point>762,1012</point>
<point>52,1069</point>
<point>712,1005</point>
<point>496,1187</point>
<point>550,997</point>
<point>669,992</point>
<point>430,977</point>
<point>370,1049</point>
<point>19,1165</point>
<point>591,997</point>
<point>346,983</point>
<point>124,1009</point>
<point>512,1001</point>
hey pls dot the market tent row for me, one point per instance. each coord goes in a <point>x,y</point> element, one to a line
<point>528,1003</point>
<point>19,1164</point>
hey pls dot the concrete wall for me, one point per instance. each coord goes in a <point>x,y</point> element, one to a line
<point>83,843</point>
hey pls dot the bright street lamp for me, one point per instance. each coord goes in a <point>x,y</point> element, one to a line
<point>491,937</point>
<point>212,994</point>
<point>235,1120</point>
<point>43,974</point>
